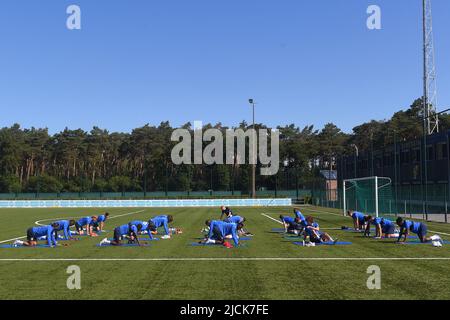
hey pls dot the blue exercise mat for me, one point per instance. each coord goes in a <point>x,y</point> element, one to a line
<point>10,246</point>
<point>429,243</point>
<point>140,239</point>
<point>124,245</point>
<point>339,243</point>
<point>196,244</point>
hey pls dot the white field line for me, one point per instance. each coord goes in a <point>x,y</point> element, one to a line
<point>230,259</point>
<point>265,215</point>
<point>55,219</point>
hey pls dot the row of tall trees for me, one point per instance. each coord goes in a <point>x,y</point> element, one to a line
<point>32,160</point>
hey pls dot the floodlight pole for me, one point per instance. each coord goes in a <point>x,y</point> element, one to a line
<point>376,196</point>
<point>252,102</point>
<point>343,191</point>
<point>424,161</point>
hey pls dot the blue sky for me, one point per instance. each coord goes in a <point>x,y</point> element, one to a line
<point>147,61</point>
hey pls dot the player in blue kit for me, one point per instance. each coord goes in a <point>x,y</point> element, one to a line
<point>292,225</point>
<point>34,233</point>
<point>64,225</point>
<point>128,231</point>
<point>99,225</point>
<point>298,214</point>
<point>234,219</point>
<point>359,220</point>
<point>162,221</point>
<point>312,231</point>
<point>87,222</point>
<point>239,220</point>
<point>419,228</point>
<point>220,230</point>
<point>384,228</point>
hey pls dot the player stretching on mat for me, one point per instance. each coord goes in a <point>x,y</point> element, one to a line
<point>64,225</point>
<point>88,222</point>
<point>162,221</point>
<point>359,223</point>
<point>418,228</point>
<point>292,225</point>
<point>239,220</point>
<point>34,233</point>
<point>219,231</point>
<point>384,228</point>
<point>128,231</point>
<point>100,223</point>
<point>312,231</point>
<point>142,223</point>
<point>298,214</point>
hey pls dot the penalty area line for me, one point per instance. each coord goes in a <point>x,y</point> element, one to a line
<point>225,259</point>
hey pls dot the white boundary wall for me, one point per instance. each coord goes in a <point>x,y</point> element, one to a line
<point>145,203</point>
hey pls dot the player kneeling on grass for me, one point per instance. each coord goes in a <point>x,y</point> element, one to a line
<point>34,233</point>
<point>100,223</point>
<point>220,230</point>
<point>292,225</point>
<point>142,223</point>
<point>127,231</point>
<point>163,221</point>
<point>384,228</point>
<point>359,221</point>
<point>312,231</point>
<point>418,228</point>
<point>64,225</point>
<point>239,220</point>
<point>87,222</point>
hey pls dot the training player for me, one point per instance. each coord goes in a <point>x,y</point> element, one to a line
<point>292,225</point>
<point>312,231</point>
<point>34,233</point>
<point>144,225</point>
<point>384,228</point>
<point>418,228</point>
<point>127,230</point>
<point>100,223</point>
<point>220,230</point>
<point>87,222</point>
<point>239,220</point>
<point>64,225</point>
<point>160,221</point>
<point>226,211</point>
<point>298,214</point>
<point>359,221</point>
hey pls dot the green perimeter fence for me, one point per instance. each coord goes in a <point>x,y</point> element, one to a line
<point>403,200</point>
<point>300,194</point>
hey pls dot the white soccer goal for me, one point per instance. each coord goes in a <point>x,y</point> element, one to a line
<point>370,195</point>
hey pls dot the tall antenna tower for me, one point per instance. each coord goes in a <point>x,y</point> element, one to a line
<point>430,118</point>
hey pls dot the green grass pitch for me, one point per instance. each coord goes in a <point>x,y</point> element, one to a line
<point>271,266</point>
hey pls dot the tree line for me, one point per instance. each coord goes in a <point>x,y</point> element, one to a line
<point>32,160</point>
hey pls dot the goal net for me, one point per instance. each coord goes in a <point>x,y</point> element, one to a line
<point>371,195</point>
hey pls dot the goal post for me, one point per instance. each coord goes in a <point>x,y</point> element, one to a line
<point>370,195</point>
